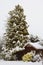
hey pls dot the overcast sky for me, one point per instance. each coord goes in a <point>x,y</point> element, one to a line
<point>33,10</point>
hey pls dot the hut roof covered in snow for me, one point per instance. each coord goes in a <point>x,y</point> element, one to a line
<point>36,45</point>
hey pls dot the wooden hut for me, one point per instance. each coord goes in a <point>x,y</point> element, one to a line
<point>30,47</point>
<point>34,46</point>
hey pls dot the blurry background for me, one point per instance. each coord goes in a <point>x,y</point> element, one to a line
<point>33,10</point>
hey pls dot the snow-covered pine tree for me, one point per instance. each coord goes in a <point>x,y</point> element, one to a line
<point>17,28</point>
<point>16,32</point>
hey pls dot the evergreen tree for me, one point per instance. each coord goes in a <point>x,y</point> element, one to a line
<point>16,28</point>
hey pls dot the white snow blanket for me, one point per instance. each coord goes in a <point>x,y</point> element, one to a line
<point>36,45</point>
<point>19,63</point>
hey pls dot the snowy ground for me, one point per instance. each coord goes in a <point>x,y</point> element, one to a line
<point>19,63</point>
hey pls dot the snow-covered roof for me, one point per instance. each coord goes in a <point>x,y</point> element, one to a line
<point>36,45</point>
